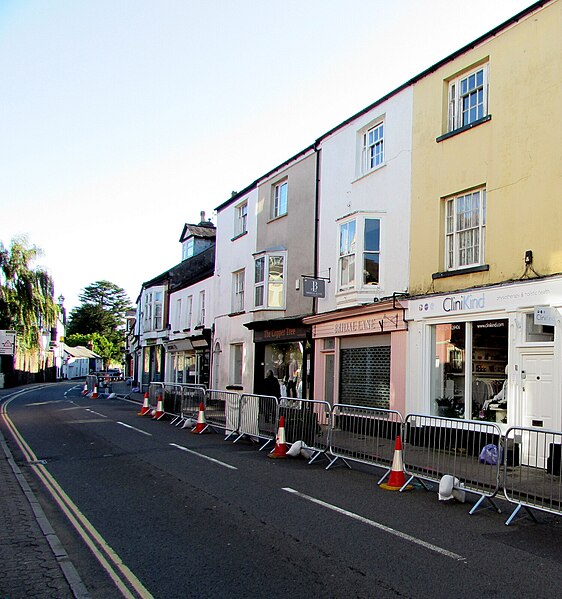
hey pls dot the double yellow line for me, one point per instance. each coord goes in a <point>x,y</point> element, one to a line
<point>127,583</point>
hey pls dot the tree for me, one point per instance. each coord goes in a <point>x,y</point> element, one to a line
<point>103,309</point>
<point>100,319</point>
<point>27,302</point>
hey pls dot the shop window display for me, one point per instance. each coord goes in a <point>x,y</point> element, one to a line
<point>470,384</point>
<point>285,360</point>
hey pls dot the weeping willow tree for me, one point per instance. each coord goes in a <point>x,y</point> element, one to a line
<point>27,303</point>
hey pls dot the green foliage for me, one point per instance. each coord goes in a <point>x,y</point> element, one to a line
<point>27,304</point>
<point>100,319</point>
<point>110,349</point>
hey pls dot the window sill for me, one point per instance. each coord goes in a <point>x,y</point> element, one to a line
<point>460,271</point>
<point>454,132</point>
<point>236,313</point>
<point>238,236</point>
<point>274,218</point>
<point>369,172</point>
<point>186,330</point>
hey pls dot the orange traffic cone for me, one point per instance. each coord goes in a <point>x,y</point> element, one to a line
<point>159,409</point>
<point>94,394</point>
<point>280,450</point>
<point>397,479</point>
<point>201,425</point>
<point>85,390</point>
<point>145,407</point>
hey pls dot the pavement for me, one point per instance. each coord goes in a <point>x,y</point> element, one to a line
<point>33,562</point>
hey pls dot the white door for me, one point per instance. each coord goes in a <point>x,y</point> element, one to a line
<point>539,407</point>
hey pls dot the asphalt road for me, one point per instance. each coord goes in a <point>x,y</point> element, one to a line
<point>198,516</point>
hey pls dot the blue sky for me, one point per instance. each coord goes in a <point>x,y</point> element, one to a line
<point>122,119</point>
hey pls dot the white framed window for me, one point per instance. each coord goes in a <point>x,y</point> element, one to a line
<point>279,199</point>
<point>237,363</point>
<point>269,281</point>
<point>201,314</point>
<point>373,148</point>
<point>241,219</point>
<point>157,311</point>
<point>187,248</point>
<point>348,247</point>
<point>178,322</point>
<point>465,225</point>
<point>238,291</point>
<point>468,98</point>
<point>359,248</point>
<point>148,312</point>
<point>189,312</point>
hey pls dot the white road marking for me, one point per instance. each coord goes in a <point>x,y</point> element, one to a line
<point>134,429</point>
<point>96,413</point>
<point>392,531</point>
<point>204,456</point>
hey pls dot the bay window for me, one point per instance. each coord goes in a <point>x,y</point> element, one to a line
<point>269,281</point>
<point>359,247</point>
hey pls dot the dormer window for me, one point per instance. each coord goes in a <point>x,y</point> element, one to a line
<point>187,248</point>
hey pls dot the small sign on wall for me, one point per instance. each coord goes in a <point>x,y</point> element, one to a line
<point>312,287</point>
<point>545,315</point>
<point>7,343</point>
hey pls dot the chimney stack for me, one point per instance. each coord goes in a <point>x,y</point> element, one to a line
<point>202,216</point>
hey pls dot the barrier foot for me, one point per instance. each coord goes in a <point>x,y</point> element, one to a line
<point>265,444</point>
<point>317,454</point>
<point>334,460</point>
<point>517,510</point>
<point>384,476</point>
<point>477,505</point>
<point>230,433</point>
<point>180,421</point>
<point>174,419</point>
<point>406,485</point>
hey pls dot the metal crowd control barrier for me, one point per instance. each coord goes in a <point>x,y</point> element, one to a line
<point>436,446</point>
<point>258,418</point>
<point>91,382</point>
<point>364,434</point>
<point>307,421</point>
<point>192,396</point>
<point>533,475</point>
<point>222,410</point>
<point>155,389</point>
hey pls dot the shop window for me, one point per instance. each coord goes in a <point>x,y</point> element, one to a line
<point>285,360</point>
<point>537,333</point>
<point>469,370</point>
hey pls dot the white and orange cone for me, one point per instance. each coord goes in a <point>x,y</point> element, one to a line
<point>145,407</point>
<point>159,412</point>
<point>94,394</point>
<point>201,425</point>
<point>280,450</point>
<point>397,478</point>
<point>85,390</point>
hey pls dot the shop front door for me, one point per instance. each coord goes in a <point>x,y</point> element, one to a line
<point>539,407</point>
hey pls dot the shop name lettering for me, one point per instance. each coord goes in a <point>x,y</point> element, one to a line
<point>280,333</point>
<point>368,324</point>
<point>463,302</point>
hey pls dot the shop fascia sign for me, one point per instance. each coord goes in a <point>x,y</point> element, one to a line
<point>504,297</point>
<point>7,343</point>
<point>372,324</point>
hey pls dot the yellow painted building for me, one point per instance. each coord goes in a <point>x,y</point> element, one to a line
<point>485,312</point>
<point>487,134</point>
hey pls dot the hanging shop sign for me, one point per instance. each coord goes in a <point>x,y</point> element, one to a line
<point>312,287</point>
<point>545,315</point>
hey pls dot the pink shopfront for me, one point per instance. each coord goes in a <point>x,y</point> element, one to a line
<point>360,355</point>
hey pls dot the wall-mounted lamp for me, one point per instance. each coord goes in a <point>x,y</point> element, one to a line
<point>529,257</point>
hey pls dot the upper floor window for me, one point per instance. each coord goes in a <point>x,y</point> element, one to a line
<point>269,281</point>
<point>238,291</point>
<point>468,98</point>
<point>201,315</point>
<point>189,312</point>
<point>153,308</point>
<point>187,248</point>
<point>241,219</point>
<point>279,199</point>
<point>465,222</point>
<point>373,148</point>
<point>359,248</point>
